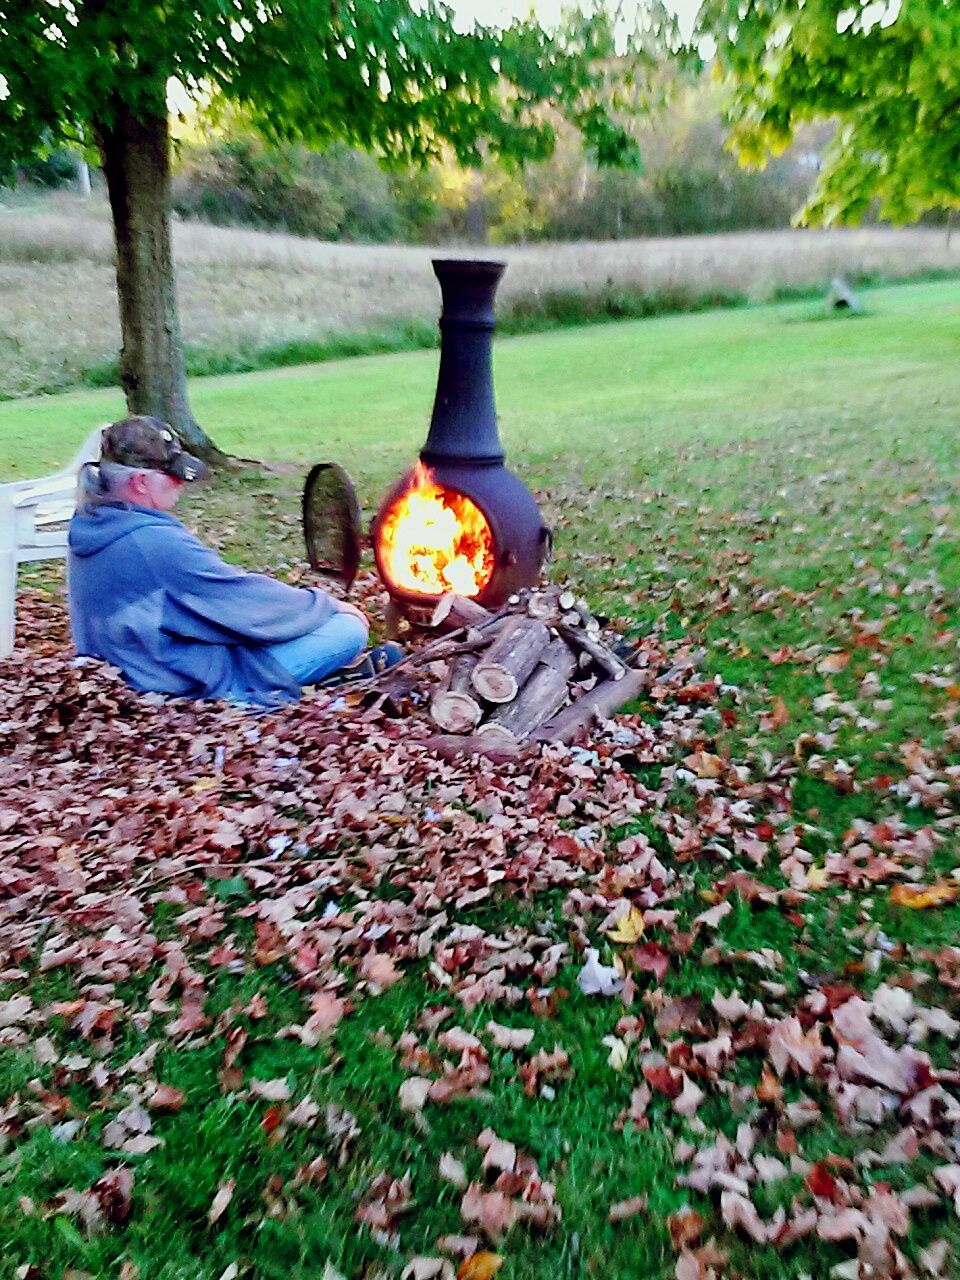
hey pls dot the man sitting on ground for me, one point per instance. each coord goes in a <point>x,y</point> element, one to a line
<point>148,597</point>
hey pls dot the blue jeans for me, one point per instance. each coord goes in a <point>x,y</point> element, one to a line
<point>319,653</point>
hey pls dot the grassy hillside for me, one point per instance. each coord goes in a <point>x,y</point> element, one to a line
<point>250,298</point>
<point>636,388</point>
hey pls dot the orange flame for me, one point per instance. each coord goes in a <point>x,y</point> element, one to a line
<point>434,540</point>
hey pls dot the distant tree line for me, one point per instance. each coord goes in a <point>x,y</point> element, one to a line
<point>689,183</point>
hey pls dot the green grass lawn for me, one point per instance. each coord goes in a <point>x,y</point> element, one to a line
<point>772,485</point>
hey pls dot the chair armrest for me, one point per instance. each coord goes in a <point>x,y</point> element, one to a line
<point>39,490</point>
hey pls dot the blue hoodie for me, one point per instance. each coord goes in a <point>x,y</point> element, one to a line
<point>148,597</point>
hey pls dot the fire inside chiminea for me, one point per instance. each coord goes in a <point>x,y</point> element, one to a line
<point>459,521</point>
<point>434,540</point>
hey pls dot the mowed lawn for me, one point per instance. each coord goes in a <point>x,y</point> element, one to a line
<point>775,487</point>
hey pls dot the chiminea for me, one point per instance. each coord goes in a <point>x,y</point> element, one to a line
<point>460,521</point>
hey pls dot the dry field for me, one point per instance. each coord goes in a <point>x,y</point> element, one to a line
<point>249,290</point>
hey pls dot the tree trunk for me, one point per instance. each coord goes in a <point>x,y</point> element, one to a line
<point>136,163</point>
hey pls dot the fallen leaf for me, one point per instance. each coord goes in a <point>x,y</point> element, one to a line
<point>427,1269</point>
<point>689,1099</point>
<point>629,1208</point>
<point>494,1212</point>
<point>817,878</point>
<point>791,1046</point>
<point>833,663</point>
<point>596,979</point>
<point>664,1080</point>
<point>618,1052</point>
<point>379,970</point>
<point>651,957</point>
<point>628,928</point>
<point>923,897</point>
<point>272,1118</point>
<point>14,1010</point>
<point>271,1090</point>
<point>328,1009</point>
<point>413,1093</point>
<point>732,1007</point>
<point>220,1201</point>
<point>821,1182</point>
<point>738,1211</point>
<point>166,1098</point>
<point>480,1266</point>
<point>685,1227</point>
<point>704,765</point>
<point>498,1153</point>
<point>511,1037</point>
<point>769,1089</point>
<point>451,1170</point>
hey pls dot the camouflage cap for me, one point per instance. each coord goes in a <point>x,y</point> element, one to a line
<point>142,441</point>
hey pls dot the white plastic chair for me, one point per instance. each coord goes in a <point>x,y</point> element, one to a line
<point>33,526</point>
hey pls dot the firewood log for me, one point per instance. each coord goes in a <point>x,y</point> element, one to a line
<point>461,669</point>
<point>510,659</point>
<point>599,704</point>
<point>490,732</point>
<point>458,611</point>
<point>541,605</point>
<point>601,654</point>
<point>452,707</point>
<point>449,747</point>
<point>541,697</point>
<point>455,712</point>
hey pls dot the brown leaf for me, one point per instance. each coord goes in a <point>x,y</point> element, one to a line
<point>272,1119</point>
<point>379,970</point>
<point>769,1089</point>
<point>685,1227</point>
<point>664,1080</point>
<point>833,663</point>
<point>704,765</point>
<point>629,1208</point>
<point>114,1190</point>
<point>494,1212</point>
<point>651,957</point>
<point>328,1008</point>
<point>166,1098</point>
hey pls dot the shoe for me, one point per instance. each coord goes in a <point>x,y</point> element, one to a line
<point>372,663</point>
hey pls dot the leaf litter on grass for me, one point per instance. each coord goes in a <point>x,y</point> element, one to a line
<point>367,863</point>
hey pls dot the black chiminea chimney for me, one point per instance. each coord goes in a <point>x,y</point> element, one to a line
<point>463,453</point>
<point>464,423</point>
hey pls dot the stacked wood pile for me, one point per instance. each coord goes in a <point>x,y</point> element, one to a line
<point>537,670</point>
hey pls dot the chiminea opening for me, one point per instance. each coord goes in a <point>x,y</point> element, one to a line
<point>459,520</point>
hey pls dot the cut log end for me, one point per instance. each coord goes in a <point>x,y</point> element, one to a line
<point>494,683</point>
<point>498,733</point>
<point>458,611</point>
<point>455,712</point>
